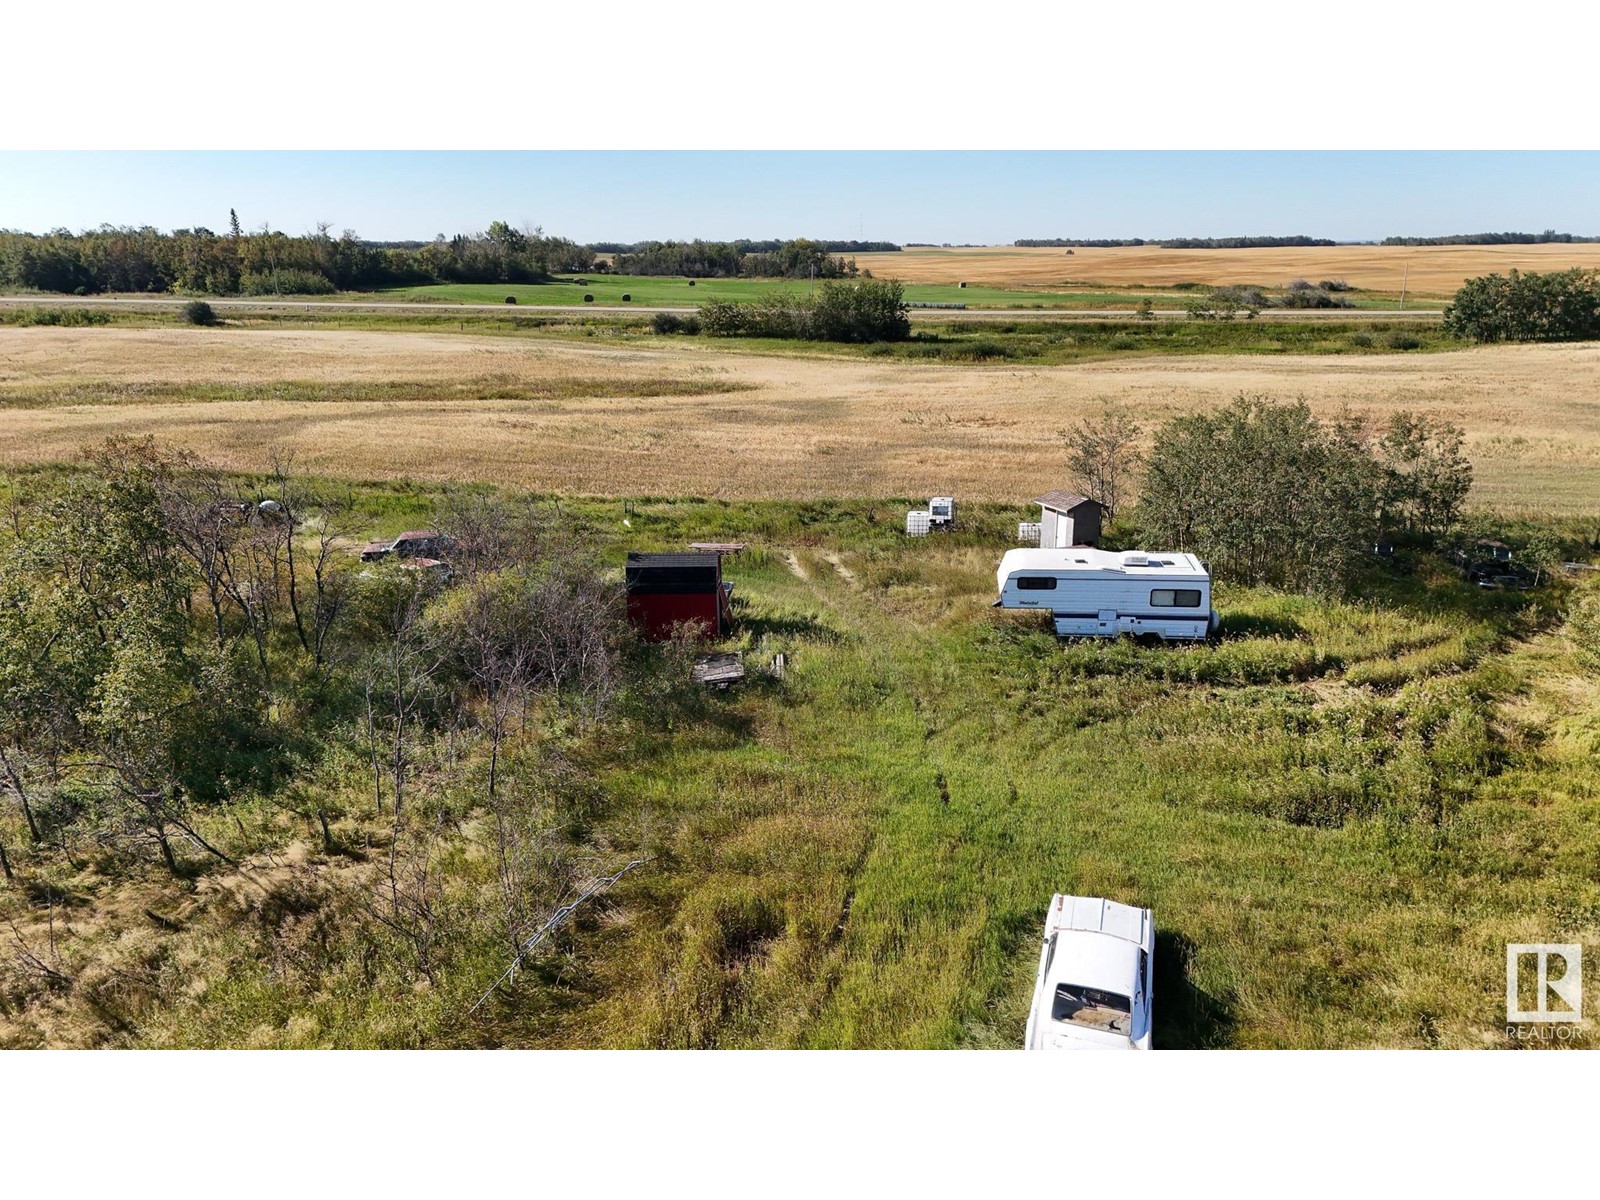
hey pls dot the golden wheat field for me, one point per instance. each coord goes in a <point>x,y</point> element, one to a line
<point>1425,270</point>
<point>696,419</point>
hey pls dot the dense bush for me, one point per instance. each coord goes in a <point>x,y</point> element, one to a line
<point>665,322</point>
<point>198,312</point>
<point>1225,303</point>
<point>1270,495</point>
<point>152,626</point>
<point>286,281</point>
<point>1302,294</point>
<point>1559,306</point>
<point>869,311</point>
<point>54,316</point>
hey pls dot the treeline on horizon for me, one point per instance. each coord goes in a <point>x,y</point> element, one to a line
<point>264,263</point>
<point>1490,239</point>
<point>1221,243</point>
<point>755,246</point>
<point>1258,243</point>
<point>799,258</point>
<point>269,262</point>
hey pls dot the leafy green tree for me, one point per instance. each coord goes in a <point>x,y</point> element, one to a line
<point>1101,455</point>
<point>869,311</point>
<point>1265,492</point>
<point>1559,306</point>
<point>1426,473</point>
<point>1543,553</point>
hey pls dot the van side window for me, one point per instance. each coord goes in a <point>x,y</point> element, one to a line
<point>1040,583</point>
<point>1175,598</point>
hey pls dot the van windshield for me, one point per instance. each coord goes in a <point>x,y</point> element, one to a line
<point>1091,1007</point>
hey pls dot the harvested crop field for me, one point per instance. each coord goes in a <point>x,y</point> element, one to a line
<point>1425,270</point>
<point>697,419</point>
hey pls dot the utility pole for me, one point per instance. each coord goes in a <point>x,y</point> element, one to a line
<point>1405,275</point>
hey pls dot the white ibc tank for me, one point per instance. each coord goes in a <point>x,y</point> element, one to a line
<point>917,523</point>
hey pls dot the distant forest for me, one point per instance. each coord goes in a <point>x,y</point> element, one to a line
<point>1489,239</point>
<point>797,259</point>
<point>265,263</point>
<point>1251,243</point>
<point>749,246</point>
<point>1222,243</point>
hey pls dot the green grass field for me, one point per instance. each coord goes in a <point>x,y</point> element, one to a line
<point>1339,812</point>
<point>658,292</point>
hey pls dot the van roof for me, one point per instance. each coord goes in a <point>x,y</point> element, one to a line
<point>1091,914</point>
<point>1083,559</point>
<point>1097,941</point>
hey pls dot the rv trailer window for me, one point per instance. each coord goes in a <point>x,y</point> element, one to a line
<point>1040,583</point>
<point>1175,598</point>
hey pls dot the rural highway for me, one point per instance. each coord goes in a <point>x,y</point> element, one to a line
<point>947,314</point>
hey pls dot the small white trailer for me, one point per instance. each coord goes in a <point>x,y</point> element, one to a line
<point>1106,593</point>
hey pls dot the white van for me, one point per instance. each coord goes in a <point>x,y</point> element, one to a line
<point>1105,593</point>
<point>1094,987</point>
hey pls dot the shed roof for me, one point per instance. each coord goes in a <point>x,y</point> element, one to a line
<point>667,560</point>
<point>1064,501</point>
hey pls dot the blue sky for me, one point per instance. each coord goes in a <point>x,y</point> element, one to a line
<point>979,197</point>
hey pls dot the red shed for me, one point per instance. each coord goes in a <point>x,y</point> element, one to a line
<point>674,589</point>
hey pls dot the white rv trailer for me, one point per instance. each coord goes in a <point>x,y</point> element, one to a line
<point>1105,593</point>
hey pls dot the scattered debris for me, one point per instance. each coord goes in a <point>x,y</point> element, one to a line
<point>413,543</point>
<point>720,671</point>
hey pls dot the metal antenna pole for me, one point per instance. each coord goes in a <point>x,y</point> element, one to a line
<point>555,919</point>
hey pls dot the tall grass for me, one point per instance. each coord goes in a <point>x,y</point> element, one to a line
<point>1339,813</point>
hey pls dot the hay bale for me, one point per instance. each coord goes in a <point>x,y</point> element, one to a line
<point>626,297</point>
<point>691,283</point>
<point>588,297</point>
<point>962,284</point>
<point>511,299</point>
